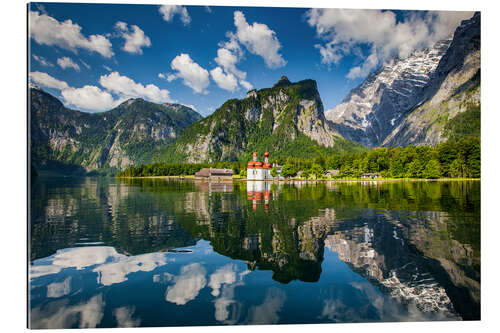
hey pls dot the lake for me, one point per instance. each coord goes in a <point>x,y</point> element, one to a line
<point>152,252</point>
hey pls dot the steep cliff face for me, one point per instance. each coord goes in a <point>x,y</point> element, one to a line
<point>414,100</point>
<point>373,109</point>
<point>451,97</point>
<point>287,118</point>
<point>80,141</point>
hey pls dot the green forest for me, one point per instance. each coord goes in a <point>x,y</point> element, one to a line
<point>452,159</point>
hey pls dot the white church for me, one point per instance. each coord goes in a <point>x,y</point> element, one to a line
<point>257,170</point>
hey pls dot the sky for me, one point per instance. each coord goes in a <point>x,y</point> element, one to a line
<point>95,56</point>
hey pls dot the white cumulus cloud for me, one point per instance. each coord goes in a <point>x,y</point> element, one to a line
<point>169,11</point>
<point>345,30</point>
<point>45,80</point>
<point>228,76</point>
<point>366,67</point>
<point>192,74</point>
<point>135,39</point>
<point>128,88</point>
<point>247,85</point>
<point>224,81</point>
<point>228,57</point>
<point>93,98</point>
<point>67,62</point>
<point>46,30</point>
<point>89,98</point>
<point>259,39</point>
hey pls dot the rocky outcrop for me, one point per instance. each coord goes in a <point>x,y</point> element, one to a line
<point>373,109</point>
<point>267,119</point>
<point>454,88</point>
<point>412,100</point>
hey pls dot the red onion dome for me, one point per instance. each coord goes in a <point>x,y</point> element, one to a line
<point>258,164</point>
<point>266,154</point>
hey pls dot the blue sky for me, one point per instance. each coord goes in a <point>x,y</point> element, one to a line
<point>95,56</point>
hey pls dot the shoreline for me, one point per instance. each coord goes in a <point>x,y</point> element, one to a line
<point>302,180</point>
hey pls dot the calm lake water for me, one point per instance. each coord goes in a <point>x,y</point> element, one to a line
<point>114,253</point>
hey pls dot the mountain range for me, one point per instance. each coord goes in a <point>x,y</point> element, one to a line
<point>127,135</point>
<point>427,98</point>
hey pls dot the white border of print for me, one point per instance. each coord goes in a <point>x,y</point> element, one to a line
<point>14,143</point>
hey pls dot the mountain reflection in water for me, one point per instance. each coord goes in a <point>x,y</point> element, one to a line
<point>108,253</point>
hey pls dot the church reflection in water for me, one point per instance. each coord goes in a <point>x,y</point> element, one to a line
<point>259,192</point>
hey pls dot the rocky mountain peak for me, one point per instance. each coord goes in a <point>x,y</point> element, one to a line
<point>283,81</point>
<point>378,105</point>
<point>129,101</point>
<point>451,95</point>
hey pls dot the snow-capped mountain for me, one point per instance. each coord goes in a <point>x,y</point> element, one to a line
<point>450,106</point>
<point>373,109</point>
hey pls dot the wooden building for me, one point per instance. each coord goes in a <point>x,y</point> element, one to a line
<point>332,173</point>
<point>370,175</point>
<point>212,173</point>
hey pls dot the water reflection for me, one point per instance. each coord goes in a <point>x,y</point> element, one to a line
<point>259,191</point>
<point>187,285</point>
<point>256,252</point>
<point>59,314</point>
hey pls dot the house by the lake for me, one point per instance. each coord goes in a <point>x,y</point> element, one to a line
<point>213,173</point>
<point>331,173</point>
<point>370,175</point>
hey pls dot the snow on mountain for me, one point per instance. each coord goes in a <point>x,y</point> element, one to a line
<point>373,109</point>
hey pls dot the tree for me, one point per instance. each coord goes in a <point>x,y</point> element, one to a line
<point>274,172</point>
<point>288,171</point>
<point>316,171</point>
<point>447,154</point>
<point>243,173</point>
<point>397,168</point>
<point>457,168</point>
<point>413,169</point>
<point>432,169</point>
